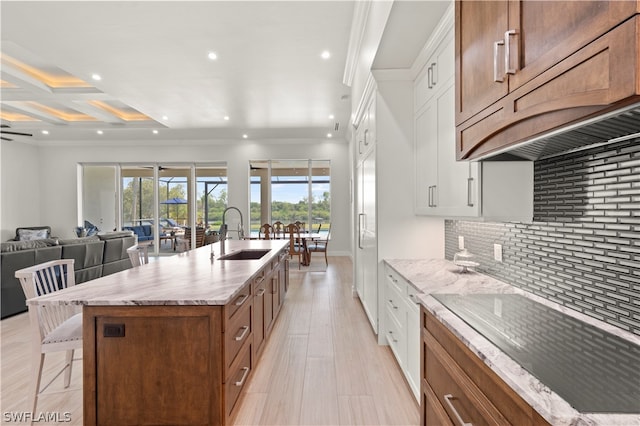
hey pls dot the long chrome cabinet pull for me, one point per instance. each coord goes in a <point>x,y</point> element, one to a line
<point>497,77</point>
<point>360,217</point>
<point>244,376</point>
<point>447,399</point>
<point>469,189</point>
<point>244,299</point>
<point>245,330</point>
<point>433,80</point>
<point>430,77</point>
<point>432,196</point>
<point>507,52</point>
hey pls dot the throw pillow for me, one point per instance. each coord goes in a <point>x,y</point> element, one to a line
<point>32,234</point>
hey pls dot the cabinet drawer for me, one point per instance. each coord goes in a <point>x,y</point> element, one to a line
<point>510,405</point>
<point>396,335</point>
<point>243,297</point>
<point>237,379</point>
<point>394,280</point>
<point>463,401</point>
<point>433,413</point>
<point>236,333</point>
<point>395,303</point>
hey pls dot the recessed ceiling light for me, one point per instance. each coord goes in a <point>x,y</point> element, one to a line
<point>329,135</point>
<point>155,132</point>
<point>226,118</point>
<point>245,136</point>
<point>45,132</point>
<point>331,116</point>
<point>165,118</point>
<point>212,55</point>
<point>325,55</point>
<point>100,132</point>
<point>96,77</point>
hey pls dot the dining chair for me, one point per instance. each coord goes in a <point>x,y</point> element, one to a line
<point>183,243</point>
<point>54,327</point>
<point>300,225</point>
<point>265,232</point>
<point>296,247</point>
<point>320,245</point>
<point>139,255</point>
<point>278,230</point>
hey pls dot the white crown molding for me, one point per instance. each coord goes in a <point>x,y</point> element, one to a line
<point>369,90</point>
<point>445,25</point>
<point>358,27</point>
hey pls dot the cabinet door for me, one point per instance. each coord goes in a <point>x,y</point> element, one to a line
<point>413,344</point>
<point>543,33</point>
<point>480,28</point>
<point>275,291</point>
<point>444,186</point>
<point>439,68</point>
<point>145,376</point>
<point>258,318</point>
<point>426,140</point>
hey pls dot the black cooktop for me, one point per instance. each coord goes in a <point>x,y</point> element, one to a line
<point>593,370</point>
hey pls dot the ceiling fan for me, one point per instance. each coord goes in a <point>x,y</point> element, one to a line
<point>7,132</point>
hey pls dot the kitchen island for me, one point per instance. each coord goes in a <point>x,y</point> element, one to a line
<point>174,341</point>
<point>456,352</point>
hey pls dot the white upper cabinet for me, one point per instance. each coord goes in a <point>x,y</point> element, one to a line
<point>446,187</point>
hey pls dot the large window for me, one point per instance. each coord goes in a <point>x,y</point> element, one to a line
<point>290,191</point>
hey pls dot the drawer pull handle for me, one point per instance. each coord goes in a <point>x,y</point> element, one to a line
<point>447,399</point>
<point>244,299</point>
<point>245,330</point>
<point>244,376</point>
<point>260,292</point>
<point>392,305</point>
<point>393,338</point>
<point>392,278</point>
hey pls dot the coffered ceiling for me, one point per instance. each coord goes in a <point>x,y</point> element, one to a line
<point>79,70</point>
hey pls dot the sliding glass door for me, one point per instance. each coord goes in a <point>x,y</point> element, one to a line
<point>160,203</point>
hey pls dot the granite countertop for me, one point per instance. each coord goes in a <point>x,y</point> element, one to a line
<point>188,278</point>
<point>439,276</point>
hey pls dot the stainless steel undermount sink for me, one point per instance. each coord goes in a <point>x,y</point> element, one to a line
<point>246,254</point>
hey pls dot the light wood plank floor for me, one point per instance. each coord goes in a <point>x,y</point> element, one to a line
<point>321,366</point>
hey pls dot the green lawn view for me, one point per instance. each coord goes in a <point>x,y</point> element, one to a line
<point>138,205</point>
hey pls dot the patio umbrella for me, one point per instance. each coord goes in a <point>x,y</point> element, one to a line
<point>176,201</point>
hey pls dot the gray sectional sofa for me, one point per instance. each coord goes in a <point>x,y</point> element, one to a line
<point>94,257</point>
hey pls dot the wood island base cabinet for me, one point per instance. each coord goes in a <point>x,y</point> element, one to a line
<point>458,388</point>
<point>177,365</point>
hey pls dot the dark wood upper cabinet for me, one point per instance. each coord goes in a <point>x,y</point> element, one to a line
<point>526,67</point>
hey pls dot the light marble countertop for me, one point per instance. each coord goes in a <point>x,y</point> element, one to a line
<point>432,276</point>
<point>188,278</point>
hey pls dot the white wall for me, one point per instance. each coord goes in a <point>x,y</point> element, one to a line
<point>20,178</point>
<point>57,194</point>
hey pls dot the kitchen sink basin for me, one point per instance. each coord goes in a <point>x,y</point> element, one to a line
<point>246,254</point>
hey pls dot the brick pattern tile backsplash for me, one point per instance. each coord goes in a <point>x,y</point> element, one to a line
<point>583,248</point>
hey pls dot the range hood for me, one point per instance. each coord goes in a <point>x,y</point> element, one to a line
<point>612,127</point>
